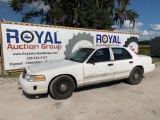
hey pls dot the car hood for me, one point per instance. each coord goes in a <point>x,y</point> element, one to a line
<point>56,64</point>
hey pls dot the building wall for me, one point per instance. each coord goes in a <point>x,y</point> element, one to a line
<point>155,47</point>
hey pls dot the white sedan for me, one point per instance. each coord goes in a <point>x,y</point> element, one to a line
<point>85,66</point>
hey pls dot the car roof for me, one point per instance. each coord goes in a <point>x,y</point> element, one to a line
<point>99,47</point>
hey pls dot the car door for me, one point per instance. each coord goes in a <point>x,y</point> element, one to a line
<point>99,67</point>
<point>123,63</point>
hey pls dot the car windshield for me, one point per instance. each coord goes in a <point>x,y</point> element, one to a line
<point>80,55</point>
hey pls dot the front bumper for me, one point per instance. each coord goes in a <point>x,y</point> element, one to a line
<point>40,87</point>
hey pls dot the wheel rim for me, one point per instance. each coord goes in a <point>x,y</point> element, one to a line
<point>136,76</point>
<point>62,87</point>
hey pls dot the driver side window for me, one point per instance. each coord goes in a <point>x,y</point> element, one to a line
<point>101,55</point>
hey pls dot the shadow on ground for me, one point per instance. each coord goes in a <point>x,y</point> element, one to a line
<point>35,96</point>
<point>101,85</point>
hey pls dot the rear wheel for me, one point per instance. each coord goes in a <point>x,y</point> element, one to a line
<point>136,76</point>
<point>62,87</point>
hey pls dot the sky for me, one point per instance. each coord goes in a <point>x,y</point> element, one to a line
<point>147,24</point>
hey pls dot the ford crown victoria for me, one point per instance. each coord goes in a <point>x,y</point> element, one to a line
<point>85,66</point>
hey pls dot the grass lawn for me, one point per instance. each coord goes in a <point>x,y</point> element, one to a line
<point>144,50</point>
<point>16,75</point>
<point>156,59</point>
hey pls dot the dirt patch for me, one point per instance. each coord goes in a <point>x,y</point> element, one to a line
<point>110,101</point>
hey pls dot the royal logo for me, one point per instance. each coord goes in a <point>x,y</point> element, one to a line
<point>107,39</point>
<point>27,36</point>
<point>24,40</point>
<point>30,36</point>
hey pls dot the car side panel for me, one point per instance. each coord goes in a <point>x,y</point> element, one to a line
<point>122,68</point>
<point>98,72</point>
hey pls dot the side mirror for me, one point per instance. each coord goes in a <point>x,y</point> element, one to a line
<point>92,60</point>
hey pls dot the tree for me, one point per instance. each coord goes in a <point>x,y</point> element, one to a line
<point>99,14</point>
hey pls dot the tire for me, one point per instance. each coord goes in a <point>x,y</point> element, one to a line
<point>62,87</point>
<point>136,76</point>
<point>76,39</point>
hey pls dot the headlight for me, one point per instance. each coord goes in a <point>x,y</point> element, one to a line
<point>27,77</point>
<point>33,78</point>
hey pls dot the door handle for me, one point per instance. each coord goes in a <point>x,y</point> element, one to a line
<point>110,64</point>
<point>130,61</point>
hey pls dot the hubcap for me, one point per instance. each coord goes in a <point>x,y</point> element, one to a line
<point>136,76</point>
<point>63,87</point>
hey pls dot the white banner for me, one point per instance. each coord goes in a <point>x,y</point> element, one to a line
<point>27,45</point>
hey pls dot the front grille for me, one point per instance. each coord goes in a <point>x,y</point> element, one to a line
<point>24,73</point>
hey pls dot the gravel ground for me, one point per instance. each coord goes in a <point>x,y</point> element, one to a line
<point>110,101</point>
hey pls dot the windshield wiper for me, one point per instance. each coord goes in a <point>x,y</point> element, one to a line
<point>68,58</point>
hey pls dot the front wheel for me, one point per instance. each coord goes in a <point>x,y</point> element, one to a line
<point>136,76</point>
<point>62,87</point>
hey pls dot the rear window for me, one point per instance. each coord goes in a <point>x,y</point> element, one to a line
<point>121,54</point>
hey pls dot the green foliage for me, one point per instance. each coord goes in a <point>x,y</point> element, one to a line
<point>10,75</point>
<point>16,5</point>
<point>132,15</point>
<point>144,50</point>
<point>98,14</point>
<point>145,42</point>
